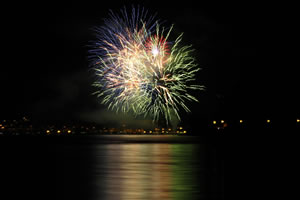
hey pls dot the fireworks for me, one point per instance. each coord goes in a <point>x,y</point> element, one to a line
<point>139,71</point>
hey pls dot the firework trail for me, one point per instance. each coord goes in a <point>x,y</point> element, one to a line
<point>138,70</point>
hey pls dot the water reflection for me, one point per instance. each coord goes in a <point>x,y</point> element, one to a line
<point>147,171</point>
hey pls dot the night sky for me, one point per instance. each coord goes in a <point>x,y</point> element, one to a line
<point>45,73</point>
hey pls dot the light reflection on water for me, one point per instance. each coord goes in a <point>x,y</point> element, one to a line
<point>112,168</point>
<point>147,171</point>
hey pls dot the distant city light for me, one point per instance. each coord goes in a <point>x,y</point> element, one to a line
<point>14,127</point>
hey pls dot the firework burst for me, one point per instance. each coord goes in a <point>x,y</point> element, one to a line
<point>138,70</point>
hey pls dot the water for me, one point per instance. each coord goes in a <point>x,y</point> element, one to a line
<point>114,167</point>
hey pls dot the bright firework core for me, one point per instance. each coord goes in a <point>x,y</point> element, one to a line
<point>155,51</point>
<point>139,71</point>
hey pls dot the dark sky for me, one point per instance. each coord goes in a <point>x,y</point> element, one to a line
<point>45,73</point>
